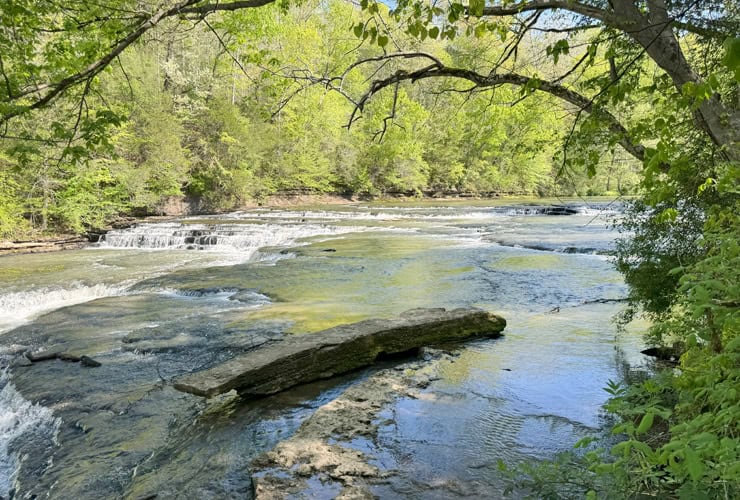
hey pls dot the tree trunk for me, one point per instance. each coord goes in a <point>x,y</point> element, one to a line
<point>654,33</point>
<point>721,123</point>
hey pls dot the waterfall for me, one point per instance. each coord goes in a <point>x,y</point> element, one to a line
<point>244,238</point>
<point>19,417</point>
<point>18,307</point>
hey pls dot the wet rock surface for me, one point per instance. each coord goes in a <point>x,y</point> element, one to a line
<point>119,429</point>
<point>334,450</point>
<point>122,431</point>
<point>305,358</point>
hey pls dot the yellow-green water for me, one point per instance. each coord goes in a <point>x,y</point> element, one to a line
<point>213,287</point>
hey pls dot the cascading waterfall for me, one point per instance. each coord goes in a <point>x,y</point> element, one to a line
<point>19,418</point>
<point>18,307</point>
<point>241,242</point>
<point>245,239</point>
<point>369,213</point>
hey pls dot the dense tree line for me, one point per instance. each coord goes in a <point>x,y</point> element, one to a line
<point>230,111</point>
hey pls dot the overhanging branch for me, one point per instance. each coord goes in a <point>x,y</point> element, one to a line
<point>49,91</point>
<point>481,81</point>
<point>607,17</point>
<point>539,5</point>
<point>229,6</point>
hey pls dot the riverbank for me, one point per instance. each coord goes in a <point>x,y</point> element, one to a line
<point>51,243</point>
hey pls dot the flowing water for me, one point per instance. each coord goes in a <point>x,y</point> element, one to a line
<point>201,290</point>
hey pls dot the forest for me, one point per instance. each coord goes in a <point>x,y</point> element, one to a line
<point>232,110</point>
<point>113,108</point>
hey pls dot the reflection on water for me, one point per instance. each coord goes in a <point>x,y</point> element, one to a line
<point>150,309</point>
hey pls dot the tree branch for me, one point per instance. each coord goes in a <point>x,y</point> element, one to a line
<point>51,90</point>
<point>493,80</point>
<point>514,45</point>
<point>568,29</point>
<point>204,10</point>
<point>539,5</point>
<point>392,116</point>
<point>225,48</point>
<point>8,87</point>
<point>393,55</point>
<point>592,12</point>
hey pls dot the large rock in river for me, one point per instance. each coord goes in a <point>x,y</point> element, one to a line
<point>304,358</point>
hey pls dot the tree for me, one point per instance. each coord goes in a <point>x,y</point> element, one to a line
<point>91,122</point>
<point>78,41</point>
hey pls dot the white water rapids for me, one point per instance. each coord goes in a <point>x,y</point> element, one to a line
<point>20,303</point>
<point>224,244</point>
<point>19,417</point>
<point>197,274</point>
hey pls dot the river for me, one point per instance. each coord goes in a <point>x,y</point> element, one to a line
<point>212,287</point>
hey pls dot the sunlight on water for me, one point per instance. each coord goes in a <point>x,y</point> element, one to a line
<point>163,299</point>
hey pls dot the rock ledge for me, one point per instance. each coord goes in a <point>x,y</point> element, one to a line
<point>305,358</point>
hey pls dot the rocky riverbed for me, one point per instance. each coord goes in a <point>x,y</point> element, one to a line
<point>150,311</point>
<point>335,447</point>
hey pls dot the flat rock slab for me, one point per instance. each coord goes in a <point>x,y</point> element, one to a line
<point>305,358</point>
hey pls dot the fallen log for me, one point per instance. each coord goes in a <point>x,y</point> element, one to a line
<point>305,358</point>
<point>41,245</point>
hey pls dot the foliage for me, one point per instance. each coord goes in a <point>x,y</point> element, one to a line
<point>231,117</point>
<point>682,428</point>
<point>117,106</point>
<point>11,208</point>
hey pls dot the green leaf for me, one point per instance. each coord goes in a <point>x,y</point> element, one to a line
<point>584,442</point>
<point>646,423</point>
<point>476,7</point>
<point>667,215</point>
<point>382,40</point>
<point>694,465</point>
<point>559,47</point>
<point>731,58</point>
<point>433,32</point>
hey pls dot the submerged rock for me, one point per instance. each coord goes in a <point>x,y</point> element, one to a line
<point>670,354</point>
<point>37,356</point>
<point>334,452</point>
<point>150,333</point>
<point>180,342</point>
<point>89,362</point>
<point>305,358</point>
<point>20,361</point>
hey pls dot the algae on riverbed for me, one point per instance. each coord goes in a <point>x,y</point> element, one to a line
<point>476,412</point>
